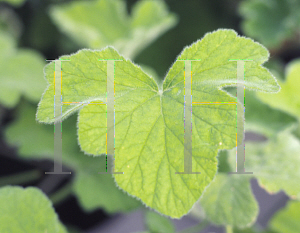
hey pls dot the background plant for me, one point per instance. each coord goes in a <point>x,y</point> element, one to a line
<point>276,116</point>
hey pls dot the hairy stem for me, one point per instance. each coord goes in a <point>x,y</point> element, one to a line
<point>61,194</point>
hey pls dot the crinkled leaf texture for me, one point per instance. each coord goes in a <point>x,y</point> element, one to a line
<point>27,210</point>
<point>99,23</point>
<point>21,72</point>
<point>229,201</point>
<point>149,119</point>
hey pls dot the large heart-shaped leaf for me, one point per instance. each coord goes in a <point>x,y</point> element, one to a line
<point>149,118</point>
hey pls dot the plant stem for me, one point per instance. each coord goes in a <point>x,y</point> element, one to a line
<point>297,130</point>
<point>61,194</point>
<point>1,113</point>
<point>20,178</point>
<point>197,228</point>
<point>229,229</point>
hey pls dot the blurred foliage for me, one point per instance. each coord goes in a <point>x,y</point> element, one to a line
<point>269,164</point>
<point>157,223</point>
<point>129,35</point>
<point>14,2</point>
<point>288,99</point>
<point>287,219</point>
<point>27,210</point>
<point>20,72</point>
<point>226,198</point>
<point>272,22</point>
<point>92,189</point>
<point>33,30</point>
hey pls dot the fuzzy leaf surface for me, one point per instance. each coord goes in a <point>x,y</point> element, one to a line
<point>149,119</point>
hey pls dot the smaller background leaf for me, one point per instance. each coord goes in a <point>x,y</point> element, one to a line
<point>270,21</point>
<point>288,99</point>
<point>287,219</point>
<point>229,201</point>
<point>27,210</point>
<point>263,119</point>
<point>21,73</point>
<point>93,190</point>
<point>87,23</point>
<point>274,163</point>
<point>157,223</point>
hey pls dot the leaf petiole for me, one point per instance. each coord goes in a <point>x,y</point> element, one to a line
<point>20,178</point>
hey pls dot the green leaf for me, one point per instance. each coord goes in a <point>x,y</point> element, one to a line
<point>157,223</point>
<point>263,119</point>
<point>287,219</point>
<point>96,24</point>
<point>152,73</point>
<point>229,201</point>
<point>275,163</point>
<point>27,210</point>
<point>16,3</point>
<point>149,120</point>
<point>270,21</point>
<point>288,99</point>
<point>92,189</point>
<point>97,190</point>
<point>21,73</point>
<point>35,140</point>
<point>223,165</point>
<point>10,22</point>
